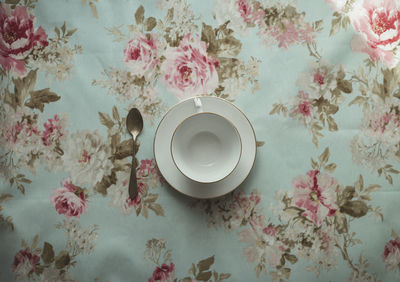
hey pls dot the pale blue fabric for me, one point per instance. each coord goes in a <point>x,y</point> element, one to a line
<point>286,154</point>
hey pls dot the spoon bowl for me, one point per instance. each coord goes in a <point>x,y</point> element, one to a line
<point>134,122</point>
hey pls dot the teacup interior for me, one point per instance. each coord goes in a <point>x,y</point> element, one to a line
<point>206,147</point>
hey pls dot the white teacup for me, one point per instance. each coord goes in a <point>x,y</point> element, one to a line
<point>206,147</point>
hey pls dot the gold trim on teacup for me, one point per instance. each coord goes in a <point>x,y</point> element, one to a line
<point>201,113</point>
<point>255,145</point>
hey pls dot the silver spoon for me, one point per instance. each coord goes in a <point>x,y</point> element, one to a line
<point>134,124</point>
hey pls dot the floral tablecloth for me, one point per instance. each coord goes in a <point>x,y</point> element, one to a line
<point>319,80</point>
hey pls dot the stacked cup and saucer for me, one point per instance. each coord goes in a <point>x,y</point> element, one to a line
<point>205,147</point>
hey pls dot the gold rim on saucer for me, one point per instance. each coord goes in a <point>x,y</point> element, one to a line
<point>255,145</point>
<point>196,114</point>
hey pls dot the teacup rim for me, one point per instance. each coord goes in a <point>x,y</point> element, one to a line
<point>240,142</point>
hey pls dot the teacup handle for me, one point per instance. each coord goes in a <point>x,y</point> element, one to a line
<point>198,105</point>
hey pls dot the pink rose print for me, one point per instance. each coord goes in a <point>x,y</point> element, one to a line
<point>54,130</point>
<point>315,193</point>
<point>69,200</point>
<point>164,273</point>
<point>12,133</point>
<point>188,70</point>
<point>378,22</point>
<point>245,10</point>
<point>148,168</point>
<point>391,254</point>
<point>319,77</point>
<point>304,108</point>
<point>270,230</point>
<point>291,34</point>
<point>381,123</point>
<point>25,263</point>
<point>141,55</point>
<point>18,37</point>
<point>305,105</point>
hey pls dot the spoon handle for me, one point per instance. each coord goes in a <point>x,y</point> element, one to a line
<point>133,188</point>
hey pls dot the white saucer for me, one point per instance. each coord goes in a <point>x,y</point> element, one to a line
<point>163,138</point>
